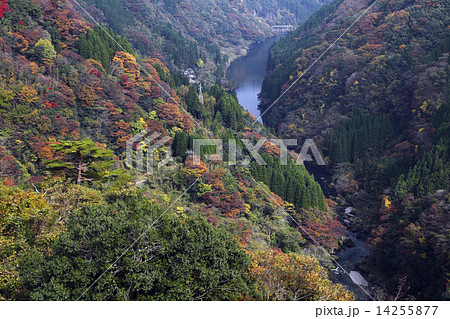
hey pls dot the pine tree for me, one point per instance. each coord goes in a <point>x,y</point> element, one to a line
<point>82,160</point>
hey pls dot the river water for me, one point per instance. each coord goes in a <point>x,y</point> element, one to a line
<point>248,72</point>
<point>348,257</point>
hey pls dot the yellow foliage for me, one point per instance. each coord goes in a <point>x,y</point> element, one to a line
<point>27,95</point>
<point>293,276</point>
<point>128,64</point>
<point>26,221</point>
<point>96,65</point>
<point>34,67</point>
<point>424,106</point>
<point>386,203</point>
<point>87,95</point>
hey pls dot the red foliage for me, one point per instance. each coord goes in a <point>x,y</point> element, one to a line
<point>8,166</point>
<point>229,205</point>
<point>9,181</point>
<point>156,126</point>
<point>326,234</point>
<point>213,220</point>
<point>95,72</point>
<point>49,105</point>
<point>3,7</point>
<point>123,80</point>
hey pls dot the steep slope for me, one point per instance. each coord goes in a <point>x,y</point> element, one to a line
<point>378,104</point>
<point>71,96</point>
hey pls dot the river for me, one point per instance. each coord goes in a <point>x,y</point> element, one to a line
<point>249,71</point>
<point>348,257</point>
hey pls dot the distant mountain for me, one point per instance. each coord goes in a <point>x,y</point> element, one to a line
<point>184,31</point>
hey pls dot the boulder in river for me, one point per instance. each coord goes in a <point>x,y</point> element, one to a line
<point>349,243</point>
<point>358,279</point>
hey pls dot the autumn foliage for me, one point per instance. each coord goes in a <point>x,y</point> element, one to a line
<point>292,276</point>
<point>3,7</point>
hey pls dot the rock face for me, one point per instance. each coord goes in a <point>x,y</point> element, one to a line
<point>358,279</point>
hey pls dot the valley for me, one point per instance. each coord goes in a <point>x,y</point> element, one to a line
<point>105,193</point>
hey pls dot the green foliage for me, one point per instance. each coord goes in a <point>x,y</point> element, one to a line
<point>180,144</point>
<point>194,106</point>
<point>284,52</point>
<point>184,52</point>
<point>227,109</point>
<point>174,78</point>
<point>291,182</point>
<point>357,136</point>
<point>431,173</point>
<point>82,160</point>
<point>286,47</point>
<point>183,257</point>
<point>380,173</point>
<point>26,222</point>
<point>184,141</point>
<point>288,240</point>
<point>116,13</point>
<point>101,46</point>
<point>44,50</point>
<point>174,260</point>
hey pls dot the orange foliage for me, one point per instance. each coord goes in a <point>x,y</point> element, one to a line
<point>128,64</point>
<point>194,167</point>
<point>86,94</point>
<point>171,113</point>
<point>20,42</point>
<point>271,148</point>
<point>121,130</point>
<point>277,200</point>
<point>69,25</point>
<point>292,276</point>
<point>232,214</point>
<point>42,148</point>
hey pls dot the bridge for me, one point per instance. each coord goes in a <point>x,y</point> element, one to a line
<point>282,28</point>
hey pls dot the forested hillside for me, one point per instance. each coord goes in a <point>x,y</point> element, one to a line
<point>378,104</point>
<point>71,96</point>
<point>186,31</point>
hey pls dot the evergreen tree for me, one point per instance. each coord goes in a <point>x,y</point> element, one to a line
<point>82,160</point>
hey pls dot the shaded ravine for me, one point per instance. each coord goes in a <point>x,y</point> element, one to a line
<point>248,72</point>
<point>348,257</point>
